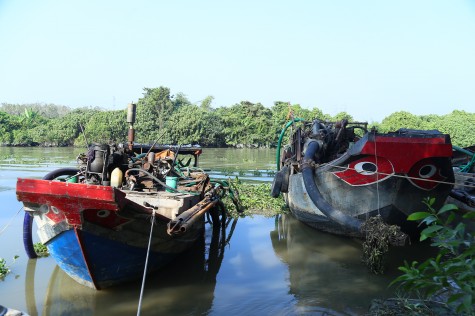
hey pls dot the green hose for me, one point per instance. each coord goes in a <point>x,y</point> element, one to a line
<point>468,166</point>
<point>279,143</point>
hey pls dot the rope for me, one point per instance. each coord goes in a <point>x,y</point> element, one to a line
<point>402,176</point>
<point>377,173</point>
<point>146,264</point>
<point>10,222</point>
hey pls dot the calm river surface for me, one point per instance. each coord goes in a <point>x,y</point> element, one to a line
<point>270,266</point>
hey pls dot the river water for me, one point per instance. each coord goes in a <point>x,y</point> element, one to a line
<point>265,266</point>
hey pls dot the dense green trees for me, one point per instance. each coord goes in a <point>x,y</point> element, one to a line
<point>174,119</point>
<point>246,123</point>
<point>45,110</point>
<point>7,125</point>
<point>460,125</point>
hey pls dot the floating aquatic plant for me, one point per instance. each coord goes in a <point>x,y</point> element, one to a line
<point>4,270</point>
<point>254,198</point>
<point>41,250</point>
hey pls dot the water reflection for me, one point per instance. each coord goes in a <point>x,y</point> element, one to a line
<point>184,287</point>
<point>325,271</point>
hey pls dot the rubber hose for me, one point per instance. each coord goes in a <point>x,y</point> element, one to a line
<point>338,216</point>
<point>281,136</point>
<point>27,236</point>
<point>28,219</point>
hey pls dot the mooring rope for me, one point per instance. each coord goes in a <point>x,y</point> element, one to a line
<point>401,176</point>
<point>10,222</point>
<point>377,173</point>
<point>146,264</point>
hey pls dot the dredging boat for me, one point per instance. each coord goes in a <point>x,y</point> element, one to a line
<point>336,175</point>
<point>123,205</point>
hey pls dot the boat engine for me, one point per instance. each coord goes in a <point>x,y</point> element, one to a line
<point>334,138</point>
<point>99,162</point>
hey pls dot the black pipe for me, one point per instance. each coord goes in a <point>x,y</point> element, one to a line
<point>28,219</point>
<point>338,216</point>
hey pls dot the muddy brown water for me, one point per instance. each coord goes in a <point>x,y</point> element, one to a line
<point>266,266</point>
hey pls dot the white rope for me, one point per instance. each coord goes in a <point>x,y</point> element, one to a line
<point>402,176</point>
<point>146,264</point>
<point>10,222</point>
<point>377,173</point>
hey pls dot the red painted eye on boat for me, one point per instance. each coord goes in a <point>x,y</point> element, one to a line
<point>366,170</point>
<point>426,174</point>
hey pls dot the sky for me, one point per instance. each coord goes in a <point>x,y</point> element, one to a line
<point>367,58</point>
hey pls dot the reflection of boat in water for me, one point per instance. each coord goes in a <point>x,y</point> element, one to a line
<point>333,179</point>
<point>96,222</point>
<point>326,274</point>
<point>184,287</point>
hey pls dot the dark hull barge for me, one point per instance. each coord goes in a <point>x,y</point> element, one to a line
<point>123,204</point>
<point>334,176</point>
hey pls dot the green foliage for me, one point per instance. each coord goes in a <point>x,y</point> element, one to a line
<point>174,119</point>
<point>399,120</point>
<point>206,103</point>
<point>342,115</point>
<point>4,269</point>
<point>254,199</point>
<point>7,125</point>
<point>247,123</point>
<point>460,126</point>
<point>105,127</point>
<point>191,124</point>
<point>41,249</point>
<point>66,130</point>
<point>46,110</point>
<point>453,267</point>
<point>153,111</point>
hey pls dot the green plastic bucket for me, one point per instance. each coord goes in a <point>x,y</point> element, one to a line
<point>171,182</point>
<point>73,179</point>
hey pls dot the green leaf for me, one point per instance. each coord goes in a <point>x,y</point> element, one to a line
<point>467,303</point>
<point>423,237</point>
<point>418,215</point>
<point>450,219</point>
<point>430,230</point>
<point>469,215</point>
<point>447,207</point>
<point>429,220</point>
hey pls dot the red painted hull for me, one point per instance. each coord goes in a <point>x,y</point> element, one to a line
<point>99,234</point>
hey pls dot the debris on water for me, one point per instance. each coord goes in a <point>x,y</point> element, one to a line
<point>378,237</point>
<point>405,306</point>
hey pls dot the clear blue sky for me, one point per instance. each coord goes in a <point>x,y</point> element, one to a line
<point>368,58</point>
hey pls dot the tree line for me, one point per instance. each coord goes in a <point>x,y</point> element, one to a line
<point>173,119</point>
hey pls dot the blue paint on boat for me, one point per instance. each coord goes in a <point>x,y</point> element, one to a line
<point>110,262</point>
<point>65,249</point>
